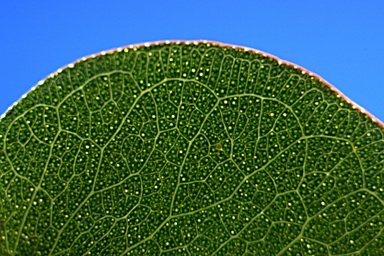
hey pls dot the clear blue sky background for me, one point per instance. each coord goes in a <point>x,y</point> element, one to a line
<point>342,41</point>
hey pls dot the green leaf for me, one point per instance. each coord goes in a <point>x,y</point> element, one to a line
<point>189,149</point>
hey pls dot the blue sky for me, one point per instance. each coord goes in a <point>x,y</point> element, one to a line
<point>342,41</point>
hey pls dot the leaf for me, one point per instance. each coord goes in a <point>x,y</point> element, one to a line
<point>192,148</point>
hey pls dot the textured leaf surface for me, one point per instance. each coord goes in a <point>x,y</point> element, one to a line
<point>189,149</point>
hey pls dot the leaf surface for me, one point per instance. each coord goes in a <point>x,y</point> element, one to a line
<point>189,149</point>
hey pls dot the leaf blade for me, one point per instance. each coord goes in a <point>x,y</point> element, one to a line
<point>189,148</point>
